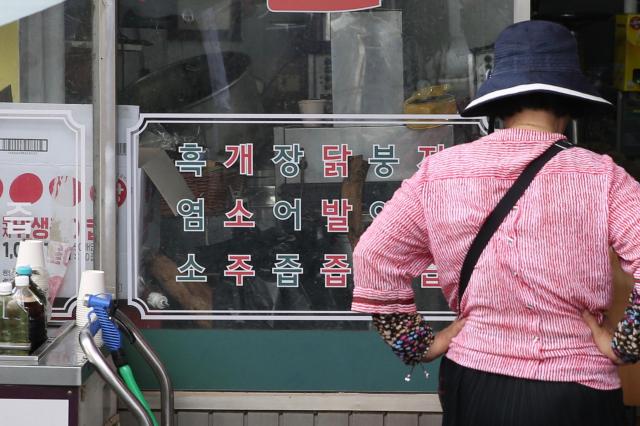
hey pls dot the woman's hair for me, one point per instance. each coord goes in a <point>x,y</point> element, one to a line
<point>557,104</point>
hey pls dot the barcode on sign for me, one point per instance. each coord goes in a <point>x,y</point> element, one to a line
<point>36,145</point>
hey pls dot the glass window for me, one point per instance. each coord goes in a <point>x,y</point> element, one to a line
<point>187,56</point>
<point>267,142</point>
<point>46,140</point>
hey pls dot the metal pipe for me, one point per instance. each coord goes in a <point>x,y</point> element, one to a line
<point>31,68</point>
<point>166,388</point>
<point>619,111</point>
<point>100,363</point>
<point>575,129</point>
<point>104,141</point>
<point>53,62</point>
<point>521,10</point>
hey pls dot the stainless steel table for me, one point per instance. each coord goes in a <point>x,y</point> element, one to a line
<point>57,386</point>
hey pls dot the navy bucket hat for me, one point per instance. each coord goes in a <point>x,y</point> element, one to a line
<point>534,57</point>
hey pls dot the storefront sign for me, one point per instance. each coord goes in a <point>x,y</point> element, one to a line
<point>45,169</point>
<point>321,5</point>
<point>47,193</point>
<point>269,231</point>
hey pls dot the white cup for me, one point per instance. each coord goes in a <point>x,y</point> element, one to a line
<point>91,282</point>
<point>312,106</point>
<point>31,252</point>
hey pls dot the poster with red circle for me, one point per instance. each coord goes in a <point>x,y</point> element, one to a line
<point>45,164</point>
<point>65,190</point>
<point>47,193</point>
<point>26,188</point>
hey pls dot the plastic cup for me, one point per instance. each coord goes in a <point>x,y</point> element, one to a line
<point>312,106</point>
<point>91,282</point>
<point>31,252</point>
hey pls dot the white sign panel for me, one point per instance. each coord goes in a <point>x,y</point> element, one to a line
<point>210,257</point>
<point>46,190</point>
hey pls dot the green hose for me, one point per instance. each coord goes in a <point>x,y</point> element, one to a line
<point>127,376</point>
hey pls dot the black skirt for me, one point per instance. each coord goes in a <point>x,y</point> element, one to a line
<point>471,397</point>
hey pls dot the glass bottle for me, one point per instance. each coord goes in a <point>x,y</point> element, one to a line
<point>35,308</point>
<point>35,289</point>
<point>14,324</point>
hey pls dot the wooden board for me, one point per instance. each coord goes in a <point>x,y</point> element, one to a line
<point>401,419</point>
<point>228,419</point>
<point>332,419</point>
<point>296,419</point>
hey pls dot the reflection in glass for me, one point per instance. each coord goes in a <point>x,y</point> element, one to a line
<point>217,49</point>
<point>232,56</point>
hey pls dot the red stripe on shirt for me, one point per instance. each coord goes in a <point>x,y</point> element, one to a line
<point>374,302</point>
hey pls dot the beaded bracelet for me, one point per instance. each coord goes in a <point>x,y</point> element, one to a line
<point>408,335</point>
<point>626,339</point>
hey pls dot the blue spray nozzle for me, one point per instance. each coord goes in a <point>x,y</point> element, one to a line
<point>101,305</point>
<point>24,270</point>
<point>94,326</point>
<point>102,301</point>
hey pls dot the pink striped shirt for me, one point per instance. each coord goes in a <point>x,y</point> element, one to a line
<point>546,263</point>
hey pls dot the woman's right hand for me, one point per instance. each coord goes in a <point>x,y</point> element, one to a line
<point>442,340</point>
<point>602,336</point>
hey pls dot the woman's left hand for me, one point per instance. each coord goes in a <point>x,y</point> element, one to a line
<point>602,336</point>
<point>442,340</point>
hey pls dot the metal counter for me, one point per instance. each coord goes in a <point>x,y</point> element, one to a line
<point>60,362</point>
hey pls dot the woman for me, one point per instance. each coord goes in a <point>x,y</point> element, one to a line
<point>527,348</point>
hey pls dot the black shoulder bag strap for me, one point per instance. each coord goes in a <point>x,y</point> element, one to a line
<point>500,212</point>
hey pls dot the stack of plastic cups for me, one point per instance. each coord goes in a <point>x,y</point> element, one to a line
<point>31,252</point>
<point>91,282</point>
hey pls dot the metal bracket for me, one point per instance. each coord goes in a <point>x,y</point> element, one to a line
<point>150,356</point>
<point>94,355</point>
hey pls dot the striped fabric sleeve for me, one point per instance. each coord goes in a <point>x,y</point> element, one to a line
<point>392,251</point>
<point>624,237</point>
